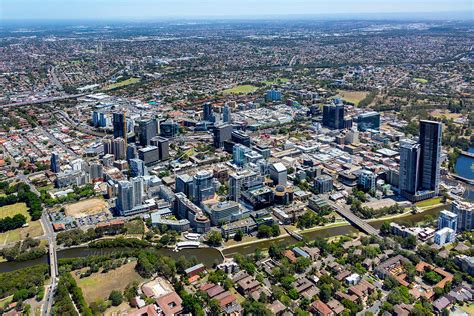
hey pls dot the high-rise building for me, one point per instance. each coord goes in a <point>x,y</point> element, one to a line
<point>278,174</point>
<point>409,166</point>
<point>96,171</point>
<point>333,116</point>
<point>223,212</point>
<point>55,164</point>
<point>150,155</point>
<point>138,168</point>
<point>465,215</point>
<point>208,113</point>
<point>240,137</point>
<point>169,129</point>
<point>420,163</point>
<point>203,186</point>
<point>226,114</point>
<point>130,196</point>
<point>238,154</point>
<point>242,181</point>
<point>367,180</point>
<point>163,145</point>
<point>147,129</point>
<point>444,236</point>
<point>323,184</point>
<point>368,120</point>
<point>119,121</point>
<point>184,184</point>
<point>118,148</point>
<point>430,155</point>
<point>222,133</point>
<point>132,151</point>
<point>448,219</point>
<point>107,142</point>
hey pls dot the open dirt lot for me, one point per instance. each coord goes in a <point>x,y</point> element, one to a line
<point>86,208</point>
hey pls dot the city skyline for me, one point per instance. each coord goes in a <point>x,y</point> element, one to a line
<point>147,9</point>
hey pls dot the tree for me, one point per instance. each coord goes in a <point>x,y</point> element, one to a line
<point>116,298</point>
<point>264,231</point>
<point>214,238</point>
<point>385,228</point>
<point>238,235</point>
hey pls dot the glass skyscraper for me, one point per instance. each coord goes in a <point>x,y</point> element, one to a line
<point>333,116</point>
<point>430,156</point>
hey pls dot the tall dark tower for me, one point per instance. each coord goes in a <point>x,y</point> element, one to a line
<point>430,155</point>
<point>119,121</point>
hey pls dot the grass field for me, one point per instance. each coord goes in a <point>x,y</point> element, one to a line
<point>469,309</point>
<point>242,89</point>
<point>135,227</point>
<point>6,300</point>
<point>86,207</point>
<point>276,81</point>
<point>98,285</point>
<point>420,80</point>
<point>440,113</point>
<point>352,96</point>
<point>121,84</point>
<point>429,202</point>
<point>34,229</point>
<point>11,210</point>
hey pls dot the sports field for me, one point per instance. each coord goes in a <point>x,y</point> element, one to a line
<point>242,89</point>
<point>121,84</point>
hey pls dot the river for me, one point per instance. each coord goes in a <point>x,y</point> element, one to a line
<point>211,256</point>
<point>464,168</point>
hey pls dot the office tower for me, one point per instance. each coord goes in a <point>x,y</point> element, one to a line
<point>238,154</point>
<point>226,114</point>
<point>222,133</point>
<point>323,184</point>
<point>223,212</point>
<point>184,184</point>
<point>95,118</point>
<point>333,116</point>
<point>367,180</point>
<point>147,129</point>
<point>118,148</point>
<point>465,215</point>
<point>240,137</point>
<point>169,129</point>
<point>278,174</point>
<point>107,142</point>
<point>352,137</point>
<point>208,113</point>
<point>409,166</point>
<point>78,165</point>
<point>138,168</point>
<point>55,164</point>
<point>96,171</point>
<point>132,152</point>
<point>242,181</point>
<point>119,121</point>
<point>273,95</point>
<point>263,150</point>
<point>163,145</point>
<point>448,219</point>
<point>150,155</point>
<point>368,120</point>
<point>203,186</point>
<point>430,155</point>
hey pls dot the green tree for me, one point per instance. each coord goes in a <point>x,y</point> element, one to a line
<point>116,298</point>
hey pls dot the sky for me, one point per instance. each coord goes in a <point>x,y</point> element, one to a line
<point>148,9</point>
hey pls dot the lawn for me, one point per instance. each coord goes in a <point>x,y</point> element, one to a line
<point>34,229</point>
<point>242,89</point>
<point>420,80</point>
<point>352,96</point>
<point>12,210</point>
<point>276,81</point>
<point>99,285</point>
<point>469,309</point>
<point>430,202</point>
<point>135,227</point>
<point>121,84</point>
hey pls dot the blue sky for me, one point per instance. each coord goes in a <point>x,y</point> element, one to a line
<point>145,9</point>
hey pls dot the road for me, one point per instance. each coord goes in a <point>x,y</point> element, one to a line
<point>60,144</point>
<point>45,100</point>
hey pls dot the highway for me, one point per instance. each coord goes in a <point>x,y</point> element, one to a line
<point>45,100</point>
<point>355,220</point>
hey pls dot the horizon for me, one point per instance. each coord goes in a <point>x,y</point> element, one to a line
<point>149,10</point>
